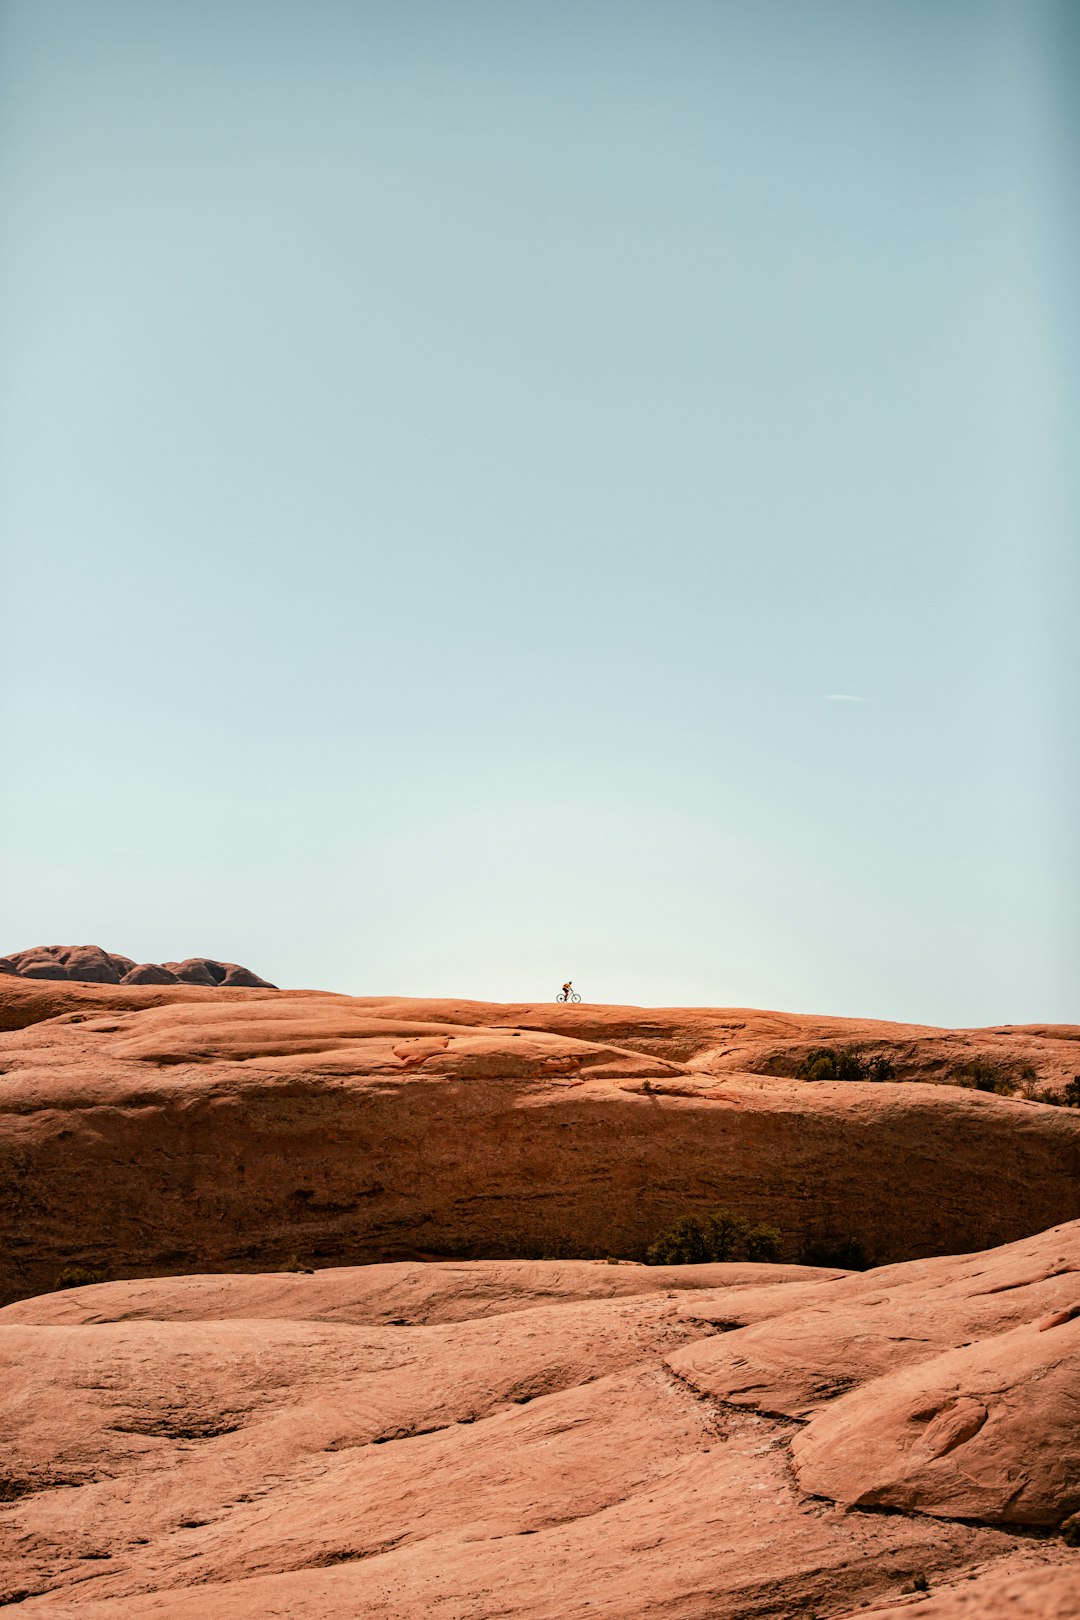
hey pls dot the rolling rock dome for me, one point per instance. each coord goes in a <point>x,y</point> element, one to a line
<point>91,965</point>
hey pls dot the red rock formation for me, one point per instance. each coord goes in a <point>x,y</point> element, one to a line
<point>147,1128</point>
<point>540,1440</point>
<point>89,964</point>
<point>203,970</point>
<point>150,973</point>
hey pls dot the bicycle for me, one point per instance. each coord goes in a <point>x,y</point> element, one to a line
<point>562,996</point>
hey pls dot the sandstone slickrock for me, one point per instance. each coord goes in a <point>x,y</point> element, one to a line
<point>906,1315</point>
<point>416,1292</point>
<point>1004,1594</point>
<point>524,1439</point>
<point>955,1436</point>
<point>89,964</point>
<point>149,1128</point>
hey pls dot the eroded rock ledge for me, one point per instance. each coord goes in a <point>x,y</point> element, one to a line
<point>148,1129</point>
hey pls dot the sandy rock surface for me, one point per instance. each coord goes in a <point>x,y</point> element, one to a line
<point>899,1316</point>
<point>954,1437</point>
<point>414,1292</point>
<point>1026,1593</point>
<point>539,1439</point>
<point>148,1128</point>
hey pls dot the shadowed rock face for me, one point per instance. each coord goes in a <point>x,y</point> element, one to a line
<point>150,1128</point>
<point>89,964</point>
<point>547,1439</point>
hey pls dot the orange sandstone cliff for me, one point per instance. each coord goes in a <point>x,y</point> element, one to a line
<point>148,1129</point>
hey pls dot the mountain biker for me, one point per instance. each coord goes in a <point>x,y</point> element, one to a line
<point>567,990</point>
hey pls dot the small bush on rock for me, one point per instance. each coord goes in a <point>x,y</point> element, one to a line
<point>78,1277</point>
<point>843,1253</point>
<point>764,1243</point>
<point>725,1234</point>
<point>1067,1097</point>
<point>1001,1079</point>
<point>722,1235</point>
<point>844,1063</point>
<point>683,1243</point>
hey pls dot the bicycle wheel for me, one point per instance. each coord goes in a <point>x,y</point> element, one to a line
<point>560,998</point>
<point>575,997</point>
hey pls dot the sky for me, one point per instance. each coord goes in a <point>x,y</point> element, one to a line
<point>494,492</point>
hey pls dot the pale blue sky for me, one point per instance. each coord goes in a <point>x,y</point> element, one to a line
<point>458,456</point>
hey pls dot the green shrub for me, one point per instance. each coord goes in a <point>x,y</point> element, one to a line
<point>721,1235</point>
<point>725,1234</point>
<point>988,1074</point>
<point>844,1063</point>
<point>1067,1097</point>
<point>843,1253</point>
<point>764,1243</point>
<point>683,1243</point>
<point>78,1277</point>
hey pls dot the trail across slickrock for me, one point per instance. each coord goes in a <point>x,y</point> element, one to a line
<point>179,1128</point>
<point>545,1439</point>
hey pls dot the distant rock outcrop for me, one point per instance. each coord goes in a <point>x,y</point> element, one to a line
<point>151,973</point>
<point>89,964</point>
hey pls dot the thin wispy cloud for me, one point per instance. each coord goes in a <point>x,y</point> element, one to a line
<point>844,697</point>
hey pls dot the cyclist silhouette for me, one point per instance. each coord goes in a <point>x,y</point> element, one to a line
<point>568,993</point>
